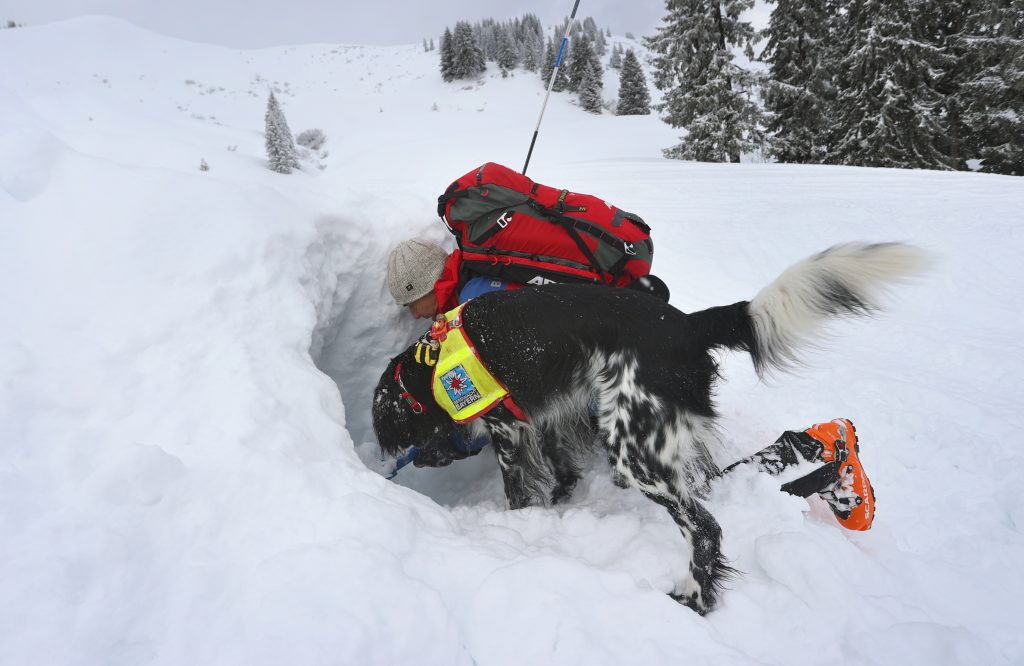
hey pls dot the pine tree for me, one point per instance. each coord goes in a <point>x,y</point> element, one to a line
<point>591,87</point>
<point>887,109</point>
<point>945,26</point>
<point>548,63</point>
<point>991,96</point>
<point>447,56</point>
<point>278,138</point>
<point>532,52</point>
<point>615,62</point>
<point>798,87</point>
<point>467,57</point>
<point>507,57</point>
<point>582,57</point>
<point>634,98</point>
<point>486,39</point>
<point>706,93</point>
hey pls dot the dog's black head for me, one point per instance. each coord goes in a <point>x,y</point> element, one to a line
<point>404,411</point>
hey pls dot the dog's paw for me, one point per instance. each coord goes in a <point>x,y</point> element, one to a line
<point>693,602</point>
<point>563,491</point>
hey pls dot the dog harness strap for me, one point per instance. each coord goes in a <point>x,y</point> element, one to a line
<point>415,405</point>
<point>516,410</point>
<point>462,385</point>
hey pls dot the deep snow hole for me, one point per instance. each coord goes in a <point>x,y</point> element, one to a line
<point>358,330</point>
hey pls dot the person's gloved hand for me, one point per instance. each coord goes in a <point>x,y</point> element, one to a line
<point>446,452</point>
<point>436,456</point>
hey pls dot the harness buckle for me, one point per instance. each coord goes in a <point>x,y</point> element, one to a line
<point>439,329</point>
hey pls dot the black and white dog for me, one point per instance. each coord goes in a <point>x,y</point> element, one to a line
<point>615,368</point>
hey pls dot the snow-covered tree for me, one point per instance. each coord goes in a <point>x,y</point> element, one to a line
<point>600,44</point>
<point>706,93</point>
<point>797,91</point>
<point>278,138</point>
<point>467,57</point>
<point>486,37</point>
<point>531,52</point>
<point>530,37</point>
<point>591,87</point>
<point>887,109</point>
<point>991,94</point>
<point>447,56</point>
<point>634,97</point>
<point>507,56</point>
<point>531,25</point>
<point>615,61</point>
<point>583,57</point>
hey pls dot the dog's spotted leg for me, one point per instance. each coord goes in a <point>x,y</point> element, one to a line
<point>708,570</point>
<point>565,483</point>
<point>523,469</point>
<point>564,464</point>
<point>662,452</point>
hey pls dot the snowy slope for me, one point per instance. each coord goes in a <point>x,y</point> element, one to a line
<point>187,473</point>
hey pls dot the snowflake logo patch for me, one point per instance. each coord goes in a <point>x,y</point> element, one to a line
<point>459,387</point>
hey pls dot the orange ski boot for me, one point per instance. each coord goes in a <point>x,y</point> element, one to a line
<point>851,496</point>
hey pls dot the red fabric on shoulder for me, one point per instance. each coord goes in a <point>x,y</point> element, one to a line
<point>447,286</point>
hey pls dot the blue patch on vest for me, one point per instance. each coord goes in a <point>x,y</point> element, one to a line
<point>459,387</point>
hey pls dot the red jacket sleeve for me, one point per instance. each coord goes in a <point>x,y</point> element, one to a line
<point>447,286</point>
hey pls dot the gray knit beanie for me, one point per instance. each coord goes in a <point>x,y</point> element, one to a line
<point>413,268</point>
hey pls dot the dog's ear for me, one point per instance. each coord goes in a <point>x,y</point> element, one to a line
<point>391,414</point>
<point>397,423</point>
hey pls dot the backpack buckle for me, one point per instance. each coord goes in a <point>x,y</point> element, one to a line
<point>560,205</point>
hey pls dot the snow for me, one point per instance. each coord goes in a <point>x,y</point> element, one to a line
<point>187,471</point>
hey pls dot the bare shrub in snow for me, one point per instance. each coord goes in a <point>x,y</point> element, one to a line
<point>312,138</point>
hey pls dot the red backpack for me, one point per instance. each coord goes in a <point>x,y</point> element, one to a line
<point>509,227</point>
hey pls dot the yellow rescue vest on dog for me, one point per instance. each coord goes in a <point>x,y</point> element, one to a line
<point>462,384</point>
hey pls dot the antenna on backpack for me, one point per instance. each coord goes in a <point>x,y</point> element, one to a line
<point>551,82</point>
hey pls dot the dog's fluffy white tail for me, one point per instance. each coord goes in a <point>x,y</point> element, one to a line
<point>791,312</point>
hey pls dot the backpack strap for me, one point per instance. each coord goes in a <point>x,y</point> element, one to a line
<point>567,224</point>
<point>570,226</point>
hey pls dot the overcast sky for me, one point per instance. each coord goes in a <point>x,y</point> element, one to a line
<point>258,23</point>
